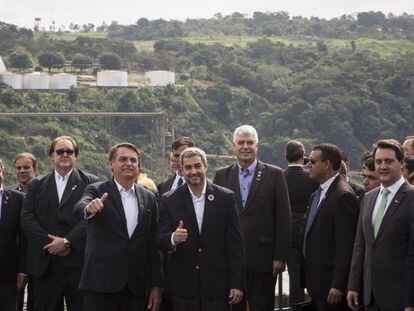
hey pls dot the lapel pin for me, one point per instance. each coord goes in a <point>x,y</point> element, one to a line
<point>6,199</point>
<point>210,197</point>
<point>74,187</point>
<point>396,201</point>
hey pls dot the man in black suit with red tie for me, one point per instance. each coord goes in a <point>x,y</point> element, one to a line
<point>176,180</point>
<point>122,263</point>
<point>56,236</point>
<point>12,246</point>
<point>263,203</point>
<point>200,225</point>
<point>329,231</point>
<point>301,187</point>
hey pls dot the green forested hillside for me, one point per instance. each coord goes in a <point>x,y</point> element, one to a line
<point>346,89</point>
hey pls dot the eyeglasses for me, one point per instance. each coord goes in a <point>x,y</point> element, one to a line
<point>60,152</point>
<point>313,162</point>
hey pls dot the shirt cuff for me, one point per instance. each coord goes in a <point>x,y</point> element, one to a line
<point>172,240</point>
<point>86,216</point>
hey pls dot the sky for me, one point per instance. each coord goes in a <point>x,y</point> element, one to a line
<point>64,12</point>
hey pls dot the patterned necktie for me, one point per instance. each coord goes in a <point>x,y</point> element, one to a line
<point>312,213</point>
<point>245,172</point>
<point>180,182</point>
<point>381,211</point>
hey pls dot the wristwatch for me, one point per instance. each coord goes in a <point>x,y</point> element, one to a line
<point>66,243</point>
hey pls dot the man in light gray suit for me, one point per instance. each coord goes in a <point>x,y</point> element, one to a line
<point>379,269</point>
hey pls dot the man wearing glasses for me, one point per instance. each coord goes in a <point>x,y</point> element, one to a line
<point>56,236</point>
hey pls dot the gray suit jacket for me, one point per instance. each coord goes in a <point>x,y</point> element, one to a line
<point>379,264</point>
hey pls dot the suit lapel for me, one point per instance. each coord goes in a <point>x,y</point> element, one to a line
<point>51,190</point>
<point>208,205</point>
<point>234,180</point>
<point>141,203</point>
<point>4,206</point>
<point>371,205</point>
<point>115,197</point>
<point>394,205</point>
<point>70,188</point>
<point>256,182</point>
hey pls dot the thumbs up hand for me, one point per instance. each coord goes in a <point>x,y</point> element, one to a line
<point>180,234</point>
<point>96,205</point>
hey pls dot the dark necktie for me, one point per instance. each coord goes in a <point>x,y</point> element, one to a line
<point>180,182</point>
<point>312,213</point>
<point>245,172</point>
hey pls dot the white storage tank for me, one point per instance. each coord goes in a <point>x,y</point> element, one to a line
<point>2,66</point>
<point>13,79</point>
<point>112,78</point>
<point>160,77</point>
<point>36,81</point>
<point>62,81</point>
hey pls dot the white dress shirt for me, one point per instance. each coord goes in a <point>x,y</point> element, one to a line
<point>61,182</point>
<point>176,179</point>
<point>130,205</point>
<point>393,190</point>
<point>198,204</point>
<point>325,186</point>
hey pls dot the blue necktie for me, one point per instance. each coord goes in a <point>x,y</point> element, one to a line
<point>312,213</point>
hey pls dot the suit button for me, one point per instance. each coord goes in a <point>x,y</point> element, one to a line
<point>197,267</point>
<point>200,250</point>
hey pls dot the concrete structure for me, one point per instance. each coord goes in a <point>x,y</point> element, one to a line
<point>36,81</point>
<point>12,79</point>
<point>112,78</point>
<point>2,66</point>
<point>62,81</point>
<point>160,78</point>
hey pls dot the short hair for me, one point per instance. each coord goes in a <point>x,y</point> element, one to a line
<point>2,166</point>
<point>368,161</point>
<point>246,129</point>
<point>342,168</point>
<point>26,155</point>
<point>193,152</point>
<point>410,137</point>
<point>344,156</point>
<point>294,151</point>
<point>57,139</point>
<point>390,144</point>
<point>114,150</point>
<point>182,141</point>
<point>409,164</point>
<point>332,153</point>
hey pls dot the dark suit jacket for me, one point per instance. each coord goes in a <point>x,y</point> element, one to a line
<point>358,189</point>
<point>330,240</point>
<point>42,214</point>
<point>215,256</point>
<point>12,240</point>
<point>379,264</point>
<point>165,186</point>
<point>265,219</point>
<point>300,187</point>
<point>113,259</point>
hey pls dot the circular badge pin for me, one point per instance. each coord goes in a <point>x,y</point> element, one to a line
<point>210,197</point>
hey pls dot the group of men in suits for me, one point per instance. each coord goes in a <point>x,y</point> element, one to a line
<point>107,246</point>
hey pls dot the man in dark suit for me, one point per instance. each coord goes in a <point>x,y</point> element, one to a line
<point>176,180</point>
<point>370,177</point>
<point>25,166</point>
<point>329,231</point>
<point>55,234</point>
<point>344,170</point>
<point>379,261</point>
<point>300,187</point>
<point>122,263</point>
<point>263,203</point>
<point>200,224</point>
<point>12,246</point>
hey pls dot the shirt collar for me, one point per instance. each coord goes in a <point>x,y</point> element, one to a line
<point>295,164</point>
<point>120,188</point>
<point>325,186</point>
<point>251,168</point>
<point>394,187</point>
<point>59,177</point>
<point>203,192</point>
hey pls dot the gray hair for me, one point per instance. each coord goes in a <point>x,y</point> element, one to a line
<point>193,152</point>
<point>246,129</point>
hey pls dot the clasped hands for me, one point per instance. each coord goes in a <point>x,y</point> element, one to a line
<point>57,246</point>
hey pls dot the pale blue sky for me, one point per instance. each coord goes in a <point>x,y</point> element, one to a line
<point>63,12</point>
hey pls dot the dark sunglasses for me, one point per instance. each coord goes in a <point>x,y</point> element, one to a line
<point>60,152</point>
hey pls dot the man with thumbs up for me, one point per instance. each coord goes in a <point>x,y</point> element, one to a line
<point>200,225</point>
<point>122,263</point>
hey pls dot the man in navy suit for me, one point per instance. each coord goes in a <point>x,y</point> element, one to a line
<point>199,223</point>
<point>12,246</point>
<point>122,262</point>
<point>56,236</point>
